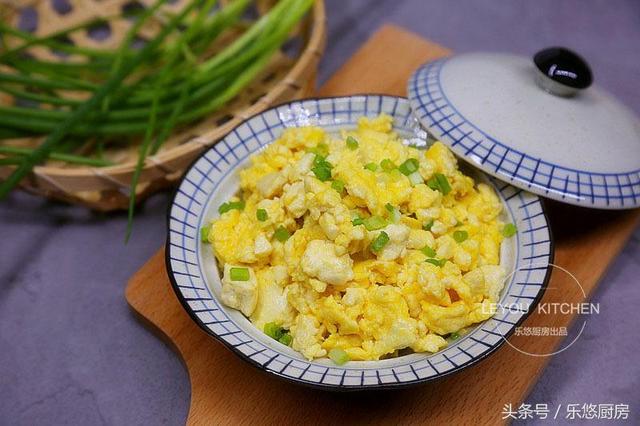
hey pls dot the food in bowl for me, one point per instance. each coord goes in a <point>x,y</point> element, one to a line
<point>358,247</point>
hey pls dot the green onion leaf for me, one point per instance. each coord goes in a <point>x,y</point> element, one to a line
<point>428,251</point>
<point>509,230</point>
<point>374,222</point>
<point>409,166</point>
<point>378,244</point>
<point>320,150</point>
<point>338,185</point>
<point>371,167</point>
<point>460,236</point>
<point>338,356</point>
<point>453,336</point>
<point>286,339</point>
<point>261,215</point>
<point>281,234</point>
<point>357,221</point>
<point>387,165</point>
<point>204,233</point>
<point>352,143</point>
<point>321,168</point>
<point>427,226</point>
<point>231,205</point>
<point>273,330</point>
<point>438,262</point>
<point>239,274</point>
<point>439,182</point>
<point>389,207</point>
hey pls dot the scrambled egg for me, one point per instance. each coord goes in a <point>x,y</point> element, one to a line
<point>359,243</point>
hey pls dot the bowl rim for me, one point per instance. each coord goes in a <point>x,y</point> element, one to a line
<point>340,387</point>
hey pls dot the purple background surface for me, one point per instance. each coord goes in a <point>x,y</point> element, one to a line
<point>72,353</point>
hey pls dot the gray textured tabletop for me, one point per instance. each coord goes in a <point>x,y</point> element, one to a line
<point>71,351</point>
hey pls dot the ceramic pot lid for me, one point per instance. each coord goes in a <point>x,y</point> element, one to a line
<point>534,123</point>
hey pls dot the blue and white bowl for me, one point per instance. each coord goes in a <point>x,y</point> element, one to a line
<point>213,178</point>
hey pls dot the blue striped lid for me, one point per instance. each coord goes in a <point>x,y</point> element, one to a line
<point>490,110</point>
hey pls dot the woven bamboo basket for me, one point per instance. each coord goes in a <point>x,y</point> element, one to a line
<point>289,76</point>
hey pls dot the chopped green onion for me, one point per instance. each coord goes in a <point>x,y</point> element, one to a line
<point>357,221</point>
<point>387,165</point>
<point>322,150</point>
<point>439,182</point>
<point>509,230</point>
<point>438,262</point>
<point>262,215</point>
<point>286,339</point>
<point>281,234</point>
<point>460,236</point>
<point>415,178</point>
<point>371,167</point>
<point>239,274</point>
<point>321,168</point>
<point>338,185</point>
<point>427,226</point>
<point>378,244</point>
<point>273,330</point>
<point>409,166</point>
<point>204,233</point>
<point>428,251</point>
<point>338,356</point>
<point>374,222</point>
<point>453,336</point>
<point>395,214</point>
<point>352,143</point>
<point>231,205</point>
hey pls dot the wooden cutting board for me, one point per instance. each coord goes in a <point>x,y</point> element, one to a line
<point>226,390</point>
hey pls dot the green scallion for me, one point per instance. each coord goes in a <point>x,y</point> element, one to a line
<point>352,143</point>
<point>509,230</point>
<point>281,234</point>
<point>439,182</point>
<point>460,236</point>
<point>453,336</point>
<point>321,150</point>
<point>231,205</point>
<point>357,221</point>
<point>415,178</point>
<point>409,166</point>
<point>338,185</point>
<point>338,356</point>
<point>378,244</point>
<point>371,167</point>
<point>387,165</point>
<point>427,226</point>
<point>373,223</point>
<point>261,215</point>
<point>273,330</point>
<point>428,251</point>
<point>286,339</point>
<point>204,233</point>
<point>239,274</point>
<point>438,262</point>
<point>321,168</point>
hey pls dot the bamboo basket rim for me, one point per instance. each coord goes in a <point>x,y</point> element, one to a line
<point>117,173</point>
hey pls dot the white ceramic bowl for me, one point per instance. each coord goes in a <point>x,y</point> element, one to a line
<point>213,178</point>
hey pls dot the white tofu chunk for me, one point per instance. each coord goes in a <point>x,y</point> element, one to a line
<point>398,237</point>
<point>321,261</point>
<point>270,184</point>
<point>241,295</point>
<point>262,247</point>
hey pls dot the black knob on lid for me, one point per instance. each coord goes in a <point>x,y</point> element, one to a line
<point>562,71</point>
